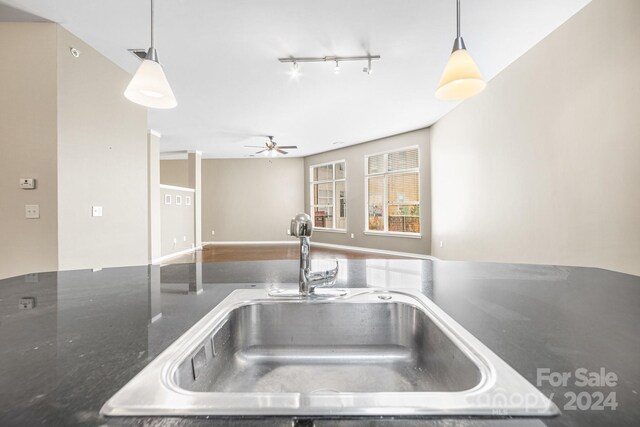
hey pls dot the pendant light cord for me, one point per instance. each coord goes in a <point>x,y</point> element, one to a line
<point>457,15</point>
<point>458,42</point>
<point>153,46</point>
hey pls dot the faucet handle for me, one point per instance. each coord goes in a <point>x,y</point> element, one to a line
<point>323,279</point>
<point>301,225</point>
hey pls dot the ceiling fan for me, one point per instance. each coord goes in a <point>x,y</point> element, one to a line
<point>271,147</point>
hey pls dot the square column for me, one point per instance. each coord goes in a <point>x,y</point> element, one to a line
<point>195,181</point>
<point>153,159</point>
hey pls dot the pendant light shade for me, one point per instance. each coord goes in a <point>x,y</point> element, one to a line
<point>461,78</point>
<point>149,86</point>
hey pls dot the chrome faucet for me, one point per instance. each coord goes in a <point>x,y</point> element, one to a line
<point>302,227</point>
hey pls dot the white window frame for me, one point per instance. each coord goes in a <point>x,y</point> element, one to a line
<point>335,195</point>
<point>385,202</point>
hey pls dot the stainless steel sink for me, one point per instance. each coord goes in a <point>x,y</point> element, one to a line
<point>368,353</point>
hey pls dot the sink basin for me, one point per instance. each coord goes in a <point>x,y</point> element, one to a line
<point>367,353</point>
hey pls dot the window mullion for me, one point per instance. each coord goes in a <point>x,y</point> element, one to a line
<point>386,204</point>
<point>335,217</point>
<point>386,192</point>
<point>366,201</point>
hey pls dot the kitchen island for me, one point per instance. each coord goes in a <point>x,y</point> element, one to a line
<point>70,340</point>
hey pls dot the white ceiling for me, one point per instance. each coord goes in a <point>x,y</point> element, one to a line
<point>221,60</point>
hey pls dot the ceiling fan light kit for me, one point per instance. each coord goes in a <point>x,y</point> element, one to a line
<point>271,148</point>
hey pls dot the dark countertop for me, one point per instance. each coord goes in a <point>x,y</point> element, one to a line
<point>89,333</point>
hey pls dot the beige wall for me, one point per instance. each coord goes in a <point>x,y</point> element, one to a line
<point>177,230</point>
<point>102,160</point>
<point>28,147</point>
<point>250,199</point>
<point>544,166</point>
<point>354,157</point>
<point>174,172</point>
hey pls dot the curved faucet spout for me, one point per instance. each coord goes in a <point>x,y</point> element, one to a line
<point>302,227</point>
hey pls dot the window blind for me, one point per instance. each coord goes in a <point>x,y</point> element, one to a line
<point>393,191</point>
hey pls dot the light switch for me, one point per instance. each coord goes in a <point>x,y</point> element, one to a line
<point>32,211</point>
<point>97,211</point>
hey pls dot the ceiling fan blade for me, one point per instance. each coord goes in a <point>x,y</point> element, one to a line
<point>291,147</point>
<point>281,151</point>
<point>262,151</point>
<point>253,146</point>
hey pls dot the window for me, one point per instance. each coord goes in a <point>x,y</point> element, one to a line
<point>393,192</point>
<point>329,196</point>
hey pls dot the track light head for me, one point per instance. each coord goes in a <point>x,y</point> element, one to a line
<point>368,69</point>
<point>295,70</point>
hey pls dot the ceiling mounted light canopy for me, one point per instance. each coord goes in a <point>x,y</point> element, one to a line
<point>461,78</point>
<point>149,86</point>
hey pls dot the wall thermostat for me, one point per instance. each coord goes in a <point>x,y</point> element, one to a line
<point>27,183</point>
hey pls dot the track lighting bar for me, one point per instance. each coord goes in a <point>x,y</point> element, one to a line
<point>331,59</point>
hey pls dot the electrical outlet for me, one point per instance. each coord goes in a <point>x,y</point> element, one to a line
<point>441,244</point>
<point>353,236</point>
<point>27,183</point>
<point>96,211</point>
<point>288,232</point>
<point>32,211</point>
<point>213,232</point>
<point>27,303</point>
<point>184,238</point>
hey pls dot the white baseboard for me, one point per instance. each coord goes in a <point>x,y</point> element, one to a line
<point>371,250</point>
<point>175,254</point>
<point>256,242</point>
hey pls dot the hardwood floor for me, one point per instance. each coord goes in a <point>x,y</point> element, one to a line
<point>227,253</point>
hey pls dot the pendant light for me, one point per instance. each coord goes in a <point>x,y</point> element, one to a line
<point>461,78</point>
<point>149,86</point>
